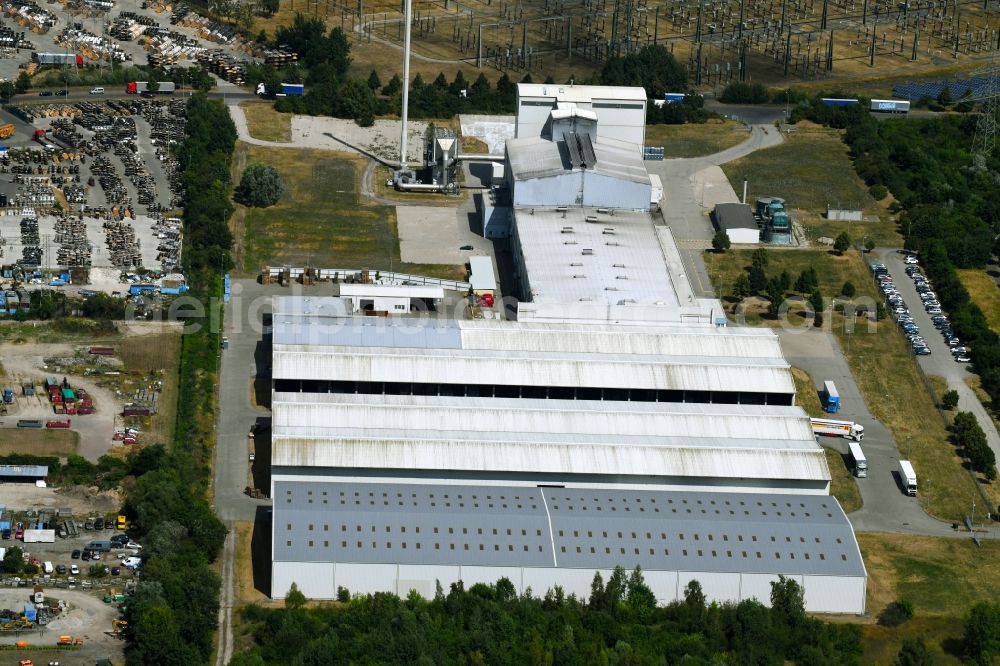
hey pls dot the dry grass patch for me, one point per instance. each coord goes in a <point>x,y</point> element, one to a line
<point>984,293</point>
<point>695,140</point>
<point>41,442</point>
<point>322,220</point>
<point>805,393</point>
<point>267,124</point>
<point>882,365</point>
<point>158,358</point>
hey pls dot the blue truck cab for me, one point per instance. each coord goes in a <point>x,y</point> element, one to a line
<point>831,398</point>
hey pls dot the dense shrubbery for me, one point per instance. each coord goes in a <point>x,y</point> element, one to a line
<point>57,77</point>
<point>108,472</point>
<point>260,186</point>
<point>55,304</point>
<point>174,612</point>
<point>324,59</point>
<point>491,624</point>
<point>949,203</point>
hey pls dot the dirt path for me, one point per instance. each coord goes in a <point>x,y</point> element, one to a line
<point>26,363</point>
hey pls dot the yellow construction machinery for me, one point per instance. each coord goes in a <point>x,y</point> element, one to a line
<point>6,130</point>
<point>118,628</point>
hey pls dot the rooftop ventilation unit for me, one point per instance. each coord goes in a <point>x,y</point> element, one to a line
<point>567,230</point>
<point>588,251</point>
<point>579,276</point>
<point>608,231</point>
<point>592,219</point>
<point>618,265</point>
<point>602,211</point>
<point>577,263</point>
<point>613,243</point>
<point>561,209</point>
<point>569,243</point>
<point>621,277</point>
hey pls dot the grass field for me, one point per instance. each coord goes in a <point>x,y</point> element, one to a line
<point>41,442</point>
<point>811,170</point>
<point>886,372</point>
<point>322,220</point>
<point>156,357</point>
<point>805,393</point>
<point>695,140</point>
<point>942,577</point>
<point>984,293</point>
<point>267,124</point>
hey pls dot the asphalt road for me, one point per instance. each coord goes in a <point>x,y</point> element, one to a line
<point>684,206</point>
<point>886,508</point>
<point>940,362</point>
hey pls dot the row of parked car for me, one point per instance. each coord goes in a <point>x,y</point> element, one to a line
<point>900,312</point>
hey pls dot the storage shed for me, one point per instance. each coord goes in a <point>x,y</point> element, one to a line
<point>737,221</point>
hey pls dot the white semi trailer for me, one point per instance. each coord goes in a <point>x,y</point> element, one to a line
<point>845,429</point>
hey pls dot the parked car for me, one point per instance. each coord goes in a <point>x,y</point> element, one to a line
<point>934,310</point>
<point>963,358</point>
<point>922,351</point>
<point>86,556</point>
<point>959,351</point>
<point>60,568</point>
<point>910,259</point>
<point>116,571</point>
<point>73,569</point>
<point>76,554</point>
<point>45,93</point>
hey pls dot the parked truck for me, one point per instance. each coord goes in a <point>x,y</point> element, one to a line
<point>858,459</point>
<point>908,478</point>
<point>139,87</point>
<point>845,429</point>
<point>831,398</point>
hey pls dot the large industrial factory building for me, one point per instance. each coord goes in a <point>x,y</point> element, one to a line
<point>618,421</point>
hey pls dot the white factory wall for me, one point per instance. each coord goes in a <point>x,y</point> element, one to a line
<point>627,122</point>
<point>744,236</point>
<point>550,192</point>
<point>532,114</point>
<point>604,191</point>
<point>823,594</point>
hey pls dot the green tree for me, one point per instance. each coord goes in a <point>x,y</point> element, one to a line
<point>294,599</point>
<point>639,599</point>
<point>758,279</point>
<point>785,280</point>
<point>787,602</point>
<point>7,90</point>
<point>13,560</point>
<point>949,400</point>
<point>742,288</point>
<point>914,652</point>
<point>373,81</point>
<point>944,97</point>
<point>981,638</point>
<point>394,87</point>
<point>816,301</point>
<point>775,296</point>
<point>759,258</point>
<point>869,244</point>
<point>260,186</point>
<point>267,8</point>
<point>720,241</point>
<point>153,85</point>
<point>848,289</point>
<point>842,243</point>
<point>22,83</point>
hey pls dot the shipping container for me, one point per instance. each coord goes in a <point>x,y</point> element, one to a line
<point>102,351</point>
<point>58,424</point>
<point>39,536</point>
<point>29,423</point>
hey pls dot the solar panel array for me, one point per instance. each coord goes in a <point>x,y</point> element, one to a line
<point>957,88</point>
<point>589,529</point>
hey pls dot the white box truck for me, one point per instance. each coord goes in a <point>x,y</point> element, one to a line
<point>908,478</point>
<point>832,428</point>
<point>859,460</point>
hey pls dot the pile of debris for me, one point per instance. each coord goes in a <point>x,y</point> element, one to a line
<point>71,235</point>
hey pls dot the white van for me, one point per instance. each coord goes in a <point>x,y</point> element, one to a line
<point>47,567</point>
<point>97,91</point>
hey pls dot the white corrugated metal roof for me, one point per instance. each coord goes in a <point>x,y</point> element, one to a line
<point>775,427</point>
<point>482,276</point>
<point>531,369</point>
<point>357,450</point>
<point>581,94</point>
<point>535,157</point>
<point>609,259</point>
